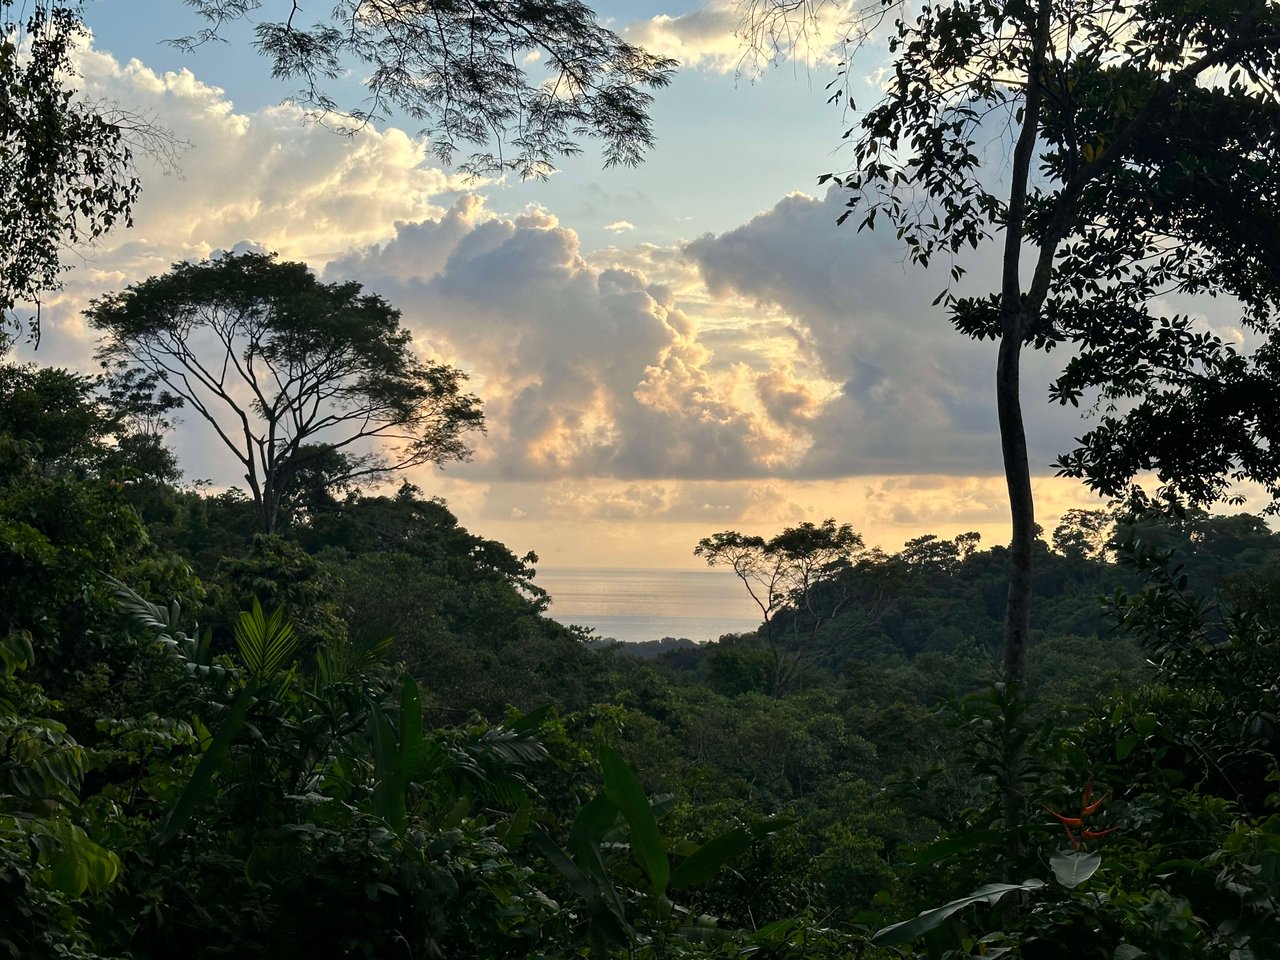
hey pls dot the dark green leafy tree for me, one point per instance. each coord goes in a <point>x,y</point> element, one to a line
<point>66,173</point>
<point>289,372</point>
<point>55,412</point>
<point>1154,832</point>
<point>48,861</point>
<point>463,71</point>
<point>57,537</point>
<point>1143,160</point>
<point>77,426</point>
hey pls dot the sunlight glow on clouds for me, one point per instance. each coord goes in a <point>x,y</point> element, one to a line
<point>912,394</point>
<point>639,396</point>
<point>270,175</point>
<point>718,36</point>
<point>588,369</point>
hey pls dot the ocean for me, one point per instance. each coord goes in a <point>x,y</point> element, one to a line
<point>637,604</point>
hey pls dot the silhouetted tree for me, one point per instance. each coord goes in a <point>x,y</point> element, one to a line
<point>804,570</point>
<point>288,370</point>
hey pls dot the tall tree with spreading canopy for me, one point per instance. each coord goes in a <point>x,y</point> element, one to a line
<point>464,70</point>
<point>290,373</point>
<point>806,570</point>
<point>1143,161</point>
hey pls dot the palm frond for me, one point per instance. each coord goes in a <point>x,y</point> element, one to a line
<point>265,642</point>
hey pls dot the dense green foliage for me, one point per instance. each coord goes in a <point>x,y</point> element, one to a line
<point>361,736</point>
<point>66,172</point>
<point>313,721</point>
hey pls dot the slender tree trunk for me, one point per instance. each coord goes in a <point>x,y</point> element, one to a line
<point>269,502</point>
<point>1017,472</point>
<point>1014,323</point>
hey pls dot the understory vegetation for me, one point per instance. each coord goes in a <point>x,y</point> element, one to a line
<point>361,735</point>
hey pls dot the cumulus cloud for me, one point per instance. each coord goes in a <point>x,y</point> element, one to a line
<point>620,226</point>
<point>724,36</point>
<point>268,175</point>
<point>912,395</point>
<point>587,369</point>
<point>670,391</point>
<point>265,180</point>
<point>788,347</point>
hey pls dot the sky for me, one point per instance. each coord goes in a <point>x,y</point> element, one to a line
<point>665,351</point>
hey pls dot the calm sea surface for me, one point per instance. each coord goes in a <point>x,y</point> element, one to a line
<point>636,605</point>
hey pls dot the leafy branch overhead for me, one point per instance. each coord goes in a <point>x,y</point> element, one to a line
<point>465,72</point>
<point>294,376</point>
<point>66,170</point>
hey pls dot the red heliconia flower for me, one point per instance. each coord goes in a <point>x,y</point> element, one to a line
<point>1088,807</point>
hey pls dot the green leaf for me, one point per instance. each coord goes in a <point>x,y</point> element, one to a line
<point>624,791</point>
<point>16,652</point>
<point>265,643</point>
<point>1073,867</point>
<point>77,863</point>
<point>1125,745</point>
<point>202,778</point>
<point>412,742</point>
<point>948,846</point>
<point>775,933</point>
<point>593,821</point>
<point>1145,724</point>
<point>388,792</point>
<point>908,930</point>
<point>519,826</point>
<point>595,818</point>
<point>606,917</point>
<point>763,829</point>
<point>705,862</point>
<point>532,720</point>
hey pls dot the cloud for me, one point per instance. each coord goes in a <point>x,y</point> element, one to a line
<point>265,179</point>
<point>784,370</point>
<point>270,175</point>
<point>912,395</point>
<point>588,369</point>
<point>620,226</point>
<point>787,347</point>
<point>725,36</point>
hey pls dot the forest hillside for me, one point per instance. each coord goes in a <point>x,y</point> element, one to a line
<point>361,735</point>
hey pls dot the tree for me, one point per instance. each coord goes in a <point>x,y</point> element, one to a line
<point>66,173</point>
<point>1144,160</point>
<point>285,368</point>
<point>461,69</point>
<point>805,570</point>
<point>1084,534</point>
<point>75,426</point>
